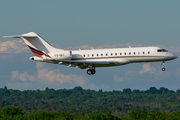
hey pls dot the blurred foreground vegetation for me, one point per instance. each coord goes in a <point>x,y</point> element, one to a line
<point>14,113</point>
<point>81,102</point>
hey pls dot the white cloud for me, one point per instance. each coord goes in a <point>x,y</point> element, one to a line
<point>52,76</point>
<point>24,76</point>
<point>15,46</point>
<point>128,73</point>
<point>117,79</point>
<point>49,76</point>
<point>147,69</point>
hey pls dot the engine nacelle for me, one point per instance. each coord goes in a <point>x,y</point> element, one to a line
<point>62,55</point>
<point>36,58</point>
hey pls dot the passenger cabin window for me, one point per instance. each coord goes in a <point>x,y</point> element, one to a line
<point>111,54</point>
<point>143,52</point>
<point>92,55</point>
<point>148,52</point>
<point>134,53</point>
<point>124,53</point>
<point>129,53</point>
<point>115,53</point>
<point>162,50</point>
<point>120,53</point>
<point>106,54</point>
<point>101,54</point>
<point>84,55</point>
<point>88,55</point>
<point>97,54</point>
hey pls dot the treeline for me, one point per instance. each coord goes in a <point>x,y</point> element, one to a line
<point>14,113</point>
<point>79,101</point>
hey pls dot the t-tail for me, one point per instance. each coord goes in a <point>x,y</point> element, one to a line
<point>38,46</point>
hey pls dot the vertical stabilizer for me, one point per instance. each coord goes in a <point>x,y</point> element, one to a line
<point>37,45</point>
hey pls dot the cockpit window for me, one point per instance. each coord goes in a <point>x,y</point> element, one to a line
<point>162,50</point>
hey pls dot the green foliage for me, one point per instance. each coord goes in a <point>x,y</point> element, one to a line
<point>138,114</point>
<point>14,113</point>
<point>9,112</point>
<point>65,116</point>
<point>79,101</point>
<point>42,116</point>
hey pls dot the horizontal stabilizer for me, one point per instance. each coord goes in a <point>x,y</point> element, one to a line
<point>28,35</point>
<point>18,36</point>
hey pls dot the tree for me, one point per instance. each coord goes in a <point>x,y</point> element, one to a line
<point>47,88</point>
<point>100,90</point>
<point>138,114</point>
<point>127,90</point>
<point>78,88</point>
<point>152,89</point>
<point>11,111</point>
<point>163,90</point>
<point>108,115</point>
<point>178,90</point>
<point>171,91</point>
<point>42,116</point>
<point>136,91</point>
<point>5,87</point>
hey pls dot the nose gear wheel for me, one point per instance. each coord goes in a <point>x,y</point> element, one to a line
<point>163,69</point>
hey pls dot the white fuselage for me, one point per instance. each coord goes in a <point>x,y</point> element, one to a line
<point>122,56</point>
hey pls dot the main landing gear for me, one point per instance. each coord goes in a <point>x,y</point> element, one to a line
<point>91,71</point>
<point>163,68</point>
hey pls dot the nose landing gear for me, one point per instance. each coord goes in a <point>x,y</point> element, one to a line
<point>163,68</point>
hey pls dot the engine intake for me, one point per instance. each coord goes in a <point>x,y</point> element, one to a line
<point>36,58</point>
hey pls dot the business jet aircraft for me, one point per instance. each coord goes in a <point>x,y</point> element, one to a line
<point>94,58</point>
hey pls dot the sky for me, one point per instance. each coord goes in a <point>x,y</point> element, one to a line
<point>85,24</point>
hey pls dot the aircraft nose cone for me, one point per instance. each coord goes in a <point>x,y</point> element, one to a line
<point>172,56</point>
<point>175,56</point>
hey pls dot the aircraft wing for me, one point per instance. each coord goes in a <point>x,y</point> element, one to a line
<point>83,61</point>
<point>79,63</point>
<point>83,64</point>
